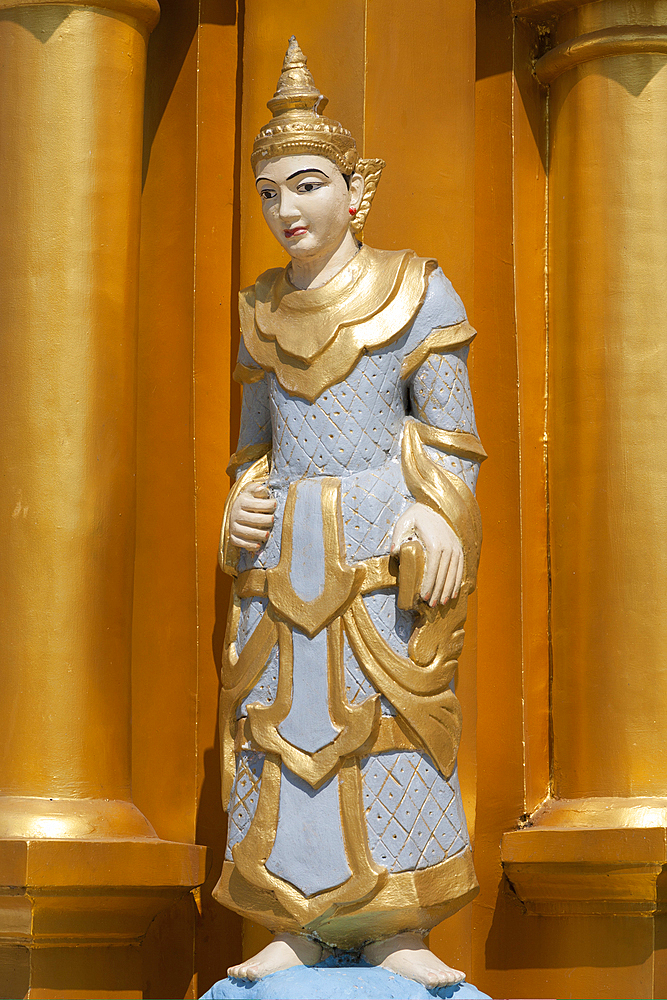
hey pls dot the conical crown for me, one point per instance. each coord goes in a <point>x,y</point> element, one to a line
<point>296,87</point>
<point>297,125</point>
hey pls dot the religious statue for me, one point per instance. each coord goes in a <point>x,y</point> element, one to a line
<point>353,536</point>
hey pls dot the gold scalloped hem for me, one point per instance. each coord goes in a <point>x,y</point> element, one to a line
<point>408,901</point>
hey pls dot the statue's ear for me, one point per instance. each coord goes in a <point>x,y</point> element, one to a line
<point>370,170</point>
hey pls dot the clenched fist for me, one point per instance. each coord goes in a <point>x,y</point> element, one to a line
<point>251,517</point>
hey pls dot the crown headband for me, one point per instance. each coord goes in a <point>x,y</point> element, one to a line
<point>298,127</point>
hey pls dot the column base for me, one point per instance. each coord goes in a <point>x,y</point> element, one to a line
<point>597,855</point>
<point>27,817</point>
<point>59,893</point>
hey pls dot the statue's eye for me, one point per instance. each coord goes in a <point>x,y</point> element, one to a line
<point>308,186</point>
<point>267,194</point>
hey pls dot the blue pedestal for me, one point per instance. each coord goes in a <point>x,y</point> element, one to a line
<point>337,978</point>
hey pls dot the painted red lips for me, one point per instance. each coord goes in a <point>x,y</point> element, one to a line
<point>297,231</point>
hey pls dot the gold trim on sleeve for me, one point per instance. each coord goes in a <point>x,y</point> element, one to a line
<point>444,493</point>
<point>246,375</point>
<point>442,338</point>
<point>229,553</point>
<point>459,443</point>
<point>249,453</point>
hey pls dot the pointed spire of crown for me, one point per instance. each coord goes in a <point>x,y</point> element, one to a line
<point>296,88</point>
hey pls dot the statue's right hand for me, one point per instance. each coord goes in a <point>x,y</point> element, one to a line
<point>251,517</point>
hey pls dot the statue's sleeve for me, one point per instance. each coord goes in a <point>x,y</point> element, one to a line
<point>255,430</point>
<point>250,461</point>
<point>440,398</point>
<point>441,451</point>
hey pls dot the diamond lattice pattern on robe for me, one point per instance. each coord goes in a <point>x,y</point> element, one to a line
<point>413,817</point>
<point>245,794</point>
<point>350,427</point>
<point>441,392</point>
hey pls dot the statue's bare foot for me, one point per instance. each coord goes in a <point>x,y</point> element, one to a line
<point>285,951</point>
<point>407,955</point>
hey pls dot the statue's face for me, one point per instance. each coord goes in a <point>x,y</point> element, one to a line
<point>306,203</point>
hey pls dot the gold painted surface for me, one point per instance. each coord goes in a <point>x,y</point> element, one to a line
<point>443,338</point>
<point>616,40</point>
<point>251,453</point>
<point>91,892</point>
<point>589,17</point>
<point>342,582</point>
<point>298,125</point>
<point>420,693</point>
<point>406,901</point>
<point>146,12</point>
<point>393,287</point>
<point>448,495</point>
<point>357,725</point>
<point>257,472</point>
<point>246,374</point>
<point>214,940</point>
<point>251,854</point>
<point>240,674</point>
<point>304,322</point>
<point>380,572</point>
<point>412,562</point>
<point>594,856</point>
<point>371,171</point>
<point>336,32</point>
<point>513,954</point>
<point>79,819</point>
<point>392,734</point>
<point>459,443</point>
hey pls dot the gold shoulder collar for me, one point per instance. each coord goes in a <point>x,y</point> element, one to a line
<point>312,339</point>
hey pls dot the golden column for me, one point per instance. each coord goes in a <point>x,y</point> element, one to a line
<point>71,118</point>
<point>598,843</point>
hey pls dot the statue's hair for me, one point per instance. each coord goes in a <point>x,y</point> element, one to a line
<point>371,171</point>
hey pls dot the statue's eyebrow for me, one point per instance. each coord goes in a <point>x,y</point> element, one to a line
<point>297,173</point>
<point>310,170</point>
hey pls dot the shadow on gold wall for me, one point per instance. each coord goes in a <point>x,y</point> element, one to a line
<point>188,420</point>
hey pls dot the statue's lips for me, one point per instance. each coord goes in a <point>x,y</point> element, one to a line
<point>297,231</point>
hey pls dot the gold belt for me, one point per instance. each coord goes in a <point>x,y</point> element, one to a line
<point>392,735</point>
<point>381,572</point>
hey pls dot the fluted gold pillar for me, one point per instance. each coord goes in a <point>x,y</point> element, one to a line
<point>598,842</point>
<point>71,118</point>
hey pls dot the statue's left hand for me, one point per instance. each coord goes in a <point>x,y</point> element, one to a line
<point>443,572</point>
